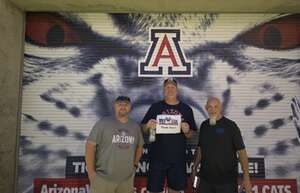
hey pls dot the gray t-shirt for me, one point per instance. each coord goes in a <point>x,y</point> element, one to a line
<point>116,143</point>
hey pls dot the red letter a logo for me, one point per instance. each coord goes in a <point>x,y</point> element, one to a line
<point>165,44</point>
<point>165,56</point>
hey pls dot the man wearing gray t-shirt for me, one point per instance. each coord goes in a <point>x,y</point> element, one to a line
<point>113,150</point>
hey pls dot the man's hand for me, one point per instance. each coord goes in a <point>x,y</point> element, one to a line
<point>194,173</point>
<point>151,124</point>
<point>195,179</point>
<point>185,127</point>
<point>247,185</point>
<point>92,175</point>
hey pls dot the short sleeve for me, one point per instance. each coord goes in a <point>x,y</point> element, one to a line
<point>238,142</point>
<point>191,120</point>
<point>149,115</point>
<point>94,134</point>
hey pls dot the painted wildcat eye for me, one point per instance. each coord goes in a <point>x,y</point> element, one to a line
<point>50,30</point>
<point>278,34</point>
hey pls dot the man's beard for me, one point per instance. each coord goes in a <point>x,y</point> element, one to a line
<point>122,114</point>
<point>212,121</point>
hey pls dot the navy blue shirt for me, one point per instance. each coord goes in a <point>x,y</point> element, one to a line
<point>169,147</point>
<point>219,145</point>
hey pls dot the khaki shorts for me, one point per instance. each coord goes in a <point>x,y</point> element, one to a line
<point>101,185</point>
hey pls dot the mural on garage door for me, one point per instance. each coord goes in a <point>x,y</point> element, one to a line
<point>75,64</point>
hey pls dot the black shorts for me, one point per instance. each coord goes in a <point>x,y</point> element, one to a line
<point>207,187</point>
<point>174,173</point>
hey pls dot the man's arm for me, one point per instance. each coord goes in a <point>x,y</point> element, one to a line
<point>90,150</point>
<point>138,155</point>
<point>197,160</point>
<point>151,124</point>
<point>243,157</point>
<point>145,128</point>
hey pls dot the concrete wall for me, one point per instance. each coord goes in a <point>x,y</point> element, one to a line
<point>11,56</point>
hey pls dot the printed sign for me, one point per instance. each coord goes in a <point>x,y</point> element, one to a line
<point>60,185</point>
<point>256,167</point>
<point>168,124</point>
<point>76,167</point>
<point>274,185</point>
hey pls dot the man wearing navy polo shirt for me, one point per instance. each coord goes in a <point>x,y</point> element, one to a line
<point>167,152</point>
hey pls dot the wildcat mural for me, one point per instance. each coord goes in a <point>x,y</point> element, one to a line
<point>75,64</point>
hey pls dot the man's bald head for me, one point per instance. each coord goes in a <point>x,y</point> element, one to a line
<point>214,108</point>
<point>213,100</point>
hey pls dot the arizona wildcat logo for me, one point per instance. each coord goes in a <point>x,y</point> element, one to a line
<point>165,56</point>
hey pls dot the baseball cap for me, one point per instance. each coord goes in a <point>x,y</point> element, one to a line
<point>123,99</point>
<point>170,81</point>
